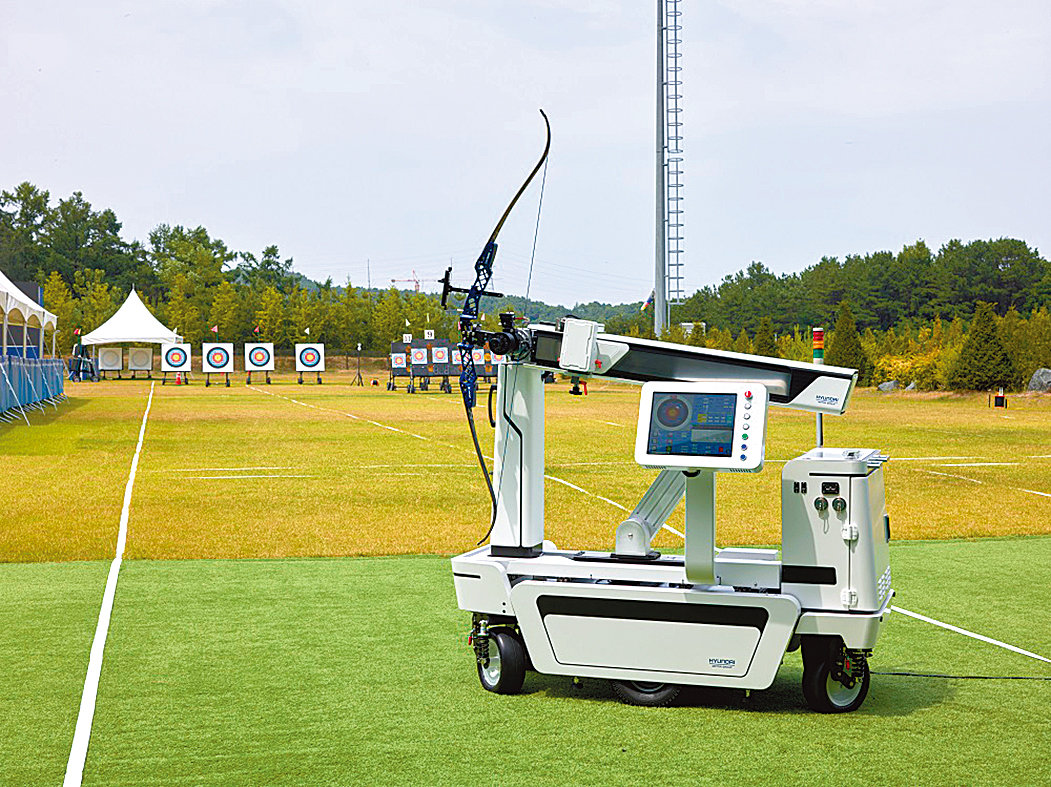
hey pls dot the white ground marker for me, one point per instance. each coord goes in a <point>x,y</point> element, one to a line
<point>78,752</point>
<point>971,634</point>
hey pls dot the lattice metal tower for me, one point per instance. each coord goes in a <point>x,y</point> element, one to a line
<point>668,267</point>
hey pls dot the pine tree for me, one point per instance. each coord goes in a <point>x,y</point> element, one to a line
<point>743,343</point>
<point>845,346</point>
<point>983,363</point>
<point>270,315</point>
<point>765,344</point>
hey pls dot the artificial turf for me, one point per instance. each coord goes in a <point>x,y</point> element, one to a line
<point>356,671</point>
<point>47,620</point>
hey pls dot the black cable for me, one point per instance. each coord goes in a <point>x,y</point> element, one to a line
<point>961,677</point>
<point>485,471</point>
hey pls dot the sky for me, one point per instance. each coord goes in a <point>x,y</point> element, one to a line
<point>373,140</point>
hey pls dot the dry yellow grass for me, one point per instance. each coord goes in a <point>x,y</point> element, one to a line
<point>370,489</point>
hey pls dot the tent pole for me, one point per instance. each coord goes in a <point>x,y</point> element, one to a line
<point>5,334</point>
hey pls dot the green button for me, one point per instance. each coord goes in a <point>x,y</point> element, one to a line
<point>744,437</point>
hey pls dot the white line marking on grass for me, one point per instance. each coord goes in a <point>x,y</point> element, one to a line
<point>978,464</point>
<point>226,469</point>
<point>78,752</point>
<point>1032,491</point>
<point>613,503</point>
<point>350,415</point>
<point>610,423</point>
<point>971,634</point>
<point>214,477</point>
<point>951,475</point>
<point>929,458</point>
<point>448,445</point>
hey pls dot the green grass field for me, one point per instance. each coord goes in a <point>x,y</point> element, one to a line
<point>352,667</point>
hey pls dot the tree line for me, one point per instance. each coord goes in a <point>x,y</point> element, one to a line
<point>911,313</point>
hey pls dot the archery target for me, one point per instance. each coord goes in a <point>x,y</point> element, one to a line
<point>140,359</point>
<point>454,356</point>
<point>111,359</point>
<point>217,358</point>
<point>439,355</point>
<point>397,360</point>
<point>478,356</point>
<point>419,356</point>
<point>175,357</point>
<point>495,359</point>
<point>259,356</point>
<point>310,357</point>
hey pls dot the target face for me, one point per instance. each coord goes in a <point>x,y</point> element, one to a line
<point>478,356</point>
<point>259,356</point>
<point>310,357</point>
<point>397,360</point>
<point>140,359</point>
<point>218,358</point>
<point>440,355</point>
<point>111,359</point>
<point>672,413</point>
<point>495,359</point>
<point>175,358</point>
<point>419,355</point>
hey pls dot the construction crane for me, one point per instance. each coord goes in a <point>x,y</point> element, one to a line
<point>415,280</point>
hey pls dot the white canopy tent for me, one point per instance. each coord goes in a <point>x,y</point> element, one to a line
<point>133,322</point>
<point>19,309</point>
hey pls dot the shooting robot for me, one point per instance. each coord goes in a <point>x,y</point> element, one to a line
<point>653,623</point>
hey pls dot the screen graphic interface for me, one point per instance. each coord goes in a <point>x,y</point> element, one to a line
<point>692,424</point>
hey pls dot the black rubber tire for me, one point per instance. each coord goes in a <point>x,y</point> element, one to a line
<point>819,655</point>
<point>510,674</point>
<point>649,695</point>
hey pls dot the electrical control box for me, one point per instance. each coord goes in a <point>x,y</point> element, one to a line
<point>835,531</point>
<point>709,425</point>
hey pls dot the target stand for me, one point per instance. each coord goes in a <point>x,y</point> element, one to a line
<point>175,359</point>
<point>310,358</point>
<point>259,357</point>
<point>217,358</point>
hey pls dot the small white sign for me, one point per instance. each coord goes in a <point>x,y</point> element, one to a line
<point>428,335</point>
<point>406,337</point>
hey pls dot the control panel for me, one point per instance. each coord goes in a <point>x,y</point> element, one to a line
<point>709,425</point>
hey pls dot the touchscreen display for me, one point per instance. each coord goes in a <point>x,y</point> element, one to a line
<point>692,424</point>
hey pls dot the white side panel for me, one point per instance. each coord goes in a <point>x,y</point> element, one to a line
<point>700,637</point>
<point>518,467</point>
<point>685,647</point>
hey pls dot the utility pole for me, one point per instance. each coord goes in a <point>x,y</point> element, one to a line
<point>660,285</point>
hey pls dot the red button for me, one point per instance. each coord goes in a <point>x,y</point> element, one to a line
<point>747,394</point>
